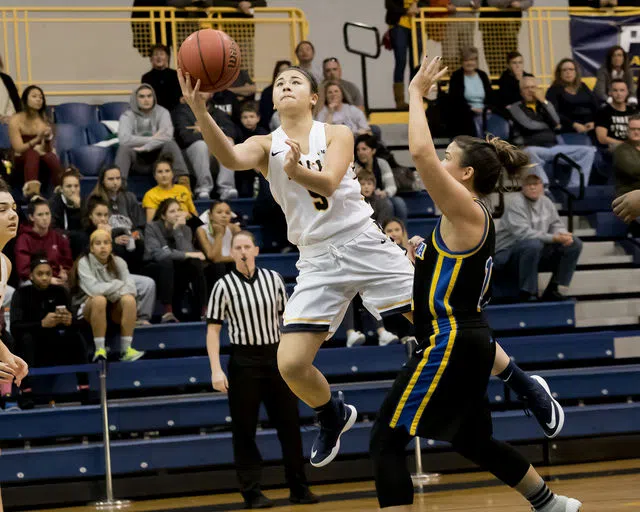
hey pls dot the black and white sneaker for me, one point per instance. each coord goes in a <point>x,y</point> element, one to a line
<point>545,408</point>
<point>327,444</point>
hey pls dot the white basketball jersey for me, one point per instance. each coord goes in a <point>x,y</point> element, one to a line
<point>312,218</point>
<point>4,277</point>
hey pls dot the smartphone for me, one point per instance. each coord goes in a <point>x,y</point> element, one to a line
<point>61,309</point>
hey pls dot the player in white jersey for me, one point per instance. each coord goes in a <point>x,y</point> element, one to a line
<point>12,368</point>
<point>309,166</point>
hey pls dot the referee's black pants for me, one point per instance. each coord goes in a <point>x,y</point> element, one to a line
<point>253,379</point>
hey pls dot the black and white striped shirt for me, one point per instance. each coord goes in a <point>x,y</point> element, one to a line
<point>253,307</point>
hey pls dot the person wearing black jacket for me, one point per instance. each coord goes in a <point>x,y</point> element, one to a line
<point>43,326</point>
<point>470,94</point>
<point>398,18</point>
<point>9,103</point>
<point>162,78</point>
<point>509,81</point>
<point>66,211</point>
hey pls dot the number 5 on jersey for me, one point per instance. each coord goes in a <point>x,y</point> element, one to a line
<point>319,201</point>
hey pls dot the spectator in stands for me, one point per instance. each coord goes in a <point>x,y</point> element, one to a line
<point>398,17</point>
<point>266,96</point>
<point>31,136</point>
<point>226,102</point>
<point>338,109</point>
<point>165,189</point>
<point>396,229</point>
<point>626,160</point>
<point>102,287</point>
<point>270,217</point>
<point>66,211</point>
<point>509,82</point>
<point>470,94</point>
<point>9,97</point>
<point>214,238</point>
<point>39,237</point>
<point>458,35</point>
<point>357,316</point>
<point>126,247</point>
<point>382,207</point>
<point>531,238</point>
<point>257,297</point>
<point>175,263</point>
<point>536,121</point>
<point>612,119</point>
<point>305,53</point>
<point>366,159</point>
<point>43,326</point>
<point>616,66</point>
<point>244,88</point>
<point>250,126</point>
<point>574,102</point>
<point>332,71</point>
<point>162,78</point>
<point>501,37</point>
<point>123,205</point>
<point>189,139</point>
<point>145,131</point>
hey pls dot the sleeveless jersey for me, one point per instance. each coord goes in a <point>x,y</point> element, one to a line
<point>451,288</point>
<point>4,277</point>
<point>312,218</point>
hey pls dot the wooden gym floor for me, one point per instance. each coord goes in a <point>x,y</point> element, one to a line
<point>602,487</point>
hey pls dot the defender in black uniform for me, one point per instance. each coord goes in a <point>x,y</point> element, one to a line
<point>441,391</point>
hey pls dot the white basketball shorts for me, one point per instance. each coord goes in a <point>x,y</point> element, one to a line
<point>369,264</point>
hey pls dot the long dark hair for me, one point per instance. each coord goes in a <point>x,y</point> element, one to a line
<point>558,73</point>
<point>331,83</point>
<point>42,113</point>
<point>99,190</point>
<point>92,203</point>
<point>276,69</point>
<point>163,207</point>
<point>608,61</point>
<point>489,159</point>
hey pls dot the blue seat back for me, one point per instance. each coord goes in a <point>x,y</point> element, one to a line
<point>67,137</point>
<point>90,159</point>
<point>80,114</point>
<point>97,132</point>
<point>5,143</point>
<point>112,111</point>
<point>496,125</point>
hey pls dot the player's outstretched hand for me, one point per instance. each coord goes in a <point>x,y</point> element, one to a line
<point>292,158</point>
<point>427,76</point>
<point>191,94</point>
<point>627,206</point>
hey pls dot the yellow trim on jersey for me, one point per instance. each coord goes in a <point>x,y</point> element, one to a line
<point>447,354</point>
<point>472,251</point>
<point>432,343</point>
<point>306,321</point>
<point>400,303</point>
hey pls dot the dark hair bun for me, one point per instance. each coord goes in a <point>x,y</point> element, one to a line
<point>512,159</point>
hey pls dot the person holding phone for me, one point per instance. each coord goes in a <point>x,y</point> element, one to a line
<point>43,326</point>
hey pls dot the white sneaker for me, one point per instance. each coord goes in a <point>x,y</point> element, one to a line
<point>561,504</point>
<point>203,194</point>
<point>229,194</point>
<point>355,338</point>
<point>387,338</point>
<point>408,339</point>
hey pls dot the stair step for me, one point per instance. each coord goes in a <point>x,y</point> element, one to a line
<point>595,282</point>
<point>606,309</point>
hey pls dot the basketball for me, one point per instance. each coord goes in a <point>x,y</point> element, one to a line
<point>212,57</point>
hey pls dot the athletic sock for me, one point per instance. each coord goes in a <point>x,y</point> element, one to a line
<point>99,342</point>
<point>125,343</point>
<point>328,414</point>
<point>541,496</point>
<point>517,380</point>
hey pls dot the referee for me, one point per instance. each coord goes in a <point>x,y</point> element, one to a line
<point>252,300</point>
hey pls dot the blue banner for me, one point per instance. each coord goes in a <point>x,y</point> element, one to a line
<point>591,38</point>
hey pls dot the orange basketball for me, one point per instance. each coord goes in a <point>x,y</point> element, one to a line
<point>212,57</point>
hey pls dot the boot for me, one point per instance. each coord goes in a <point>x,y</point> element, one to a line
<point>398,96</point>
<point>31,188</point>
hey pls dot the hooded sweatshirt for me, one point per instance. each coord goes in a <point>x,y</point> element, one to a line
<point>94,279</point>
<point>136,128</point>
<point>53,244</point>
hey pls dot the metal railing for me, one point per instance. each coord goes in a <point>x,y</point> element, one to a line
<point>540,35</point>
<point>76,51</point>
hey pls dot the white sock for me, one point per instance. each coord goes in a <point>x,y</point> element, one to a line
<point>99,342</point>
<point>125,343</point>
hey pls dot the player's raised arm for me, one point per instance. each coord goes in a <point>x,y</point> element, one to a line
<point>451,197</point>
<point>248,155</point>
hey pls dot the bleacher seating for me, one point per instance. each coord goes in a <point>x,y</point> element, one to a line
<point>5,143</point>
<point>90,159</point>
<point>112,111</point>
<point>80,114</point>
<point>68,137</point>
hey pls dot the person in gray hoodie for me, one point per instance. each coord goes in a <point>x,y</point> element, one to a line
<point>531,238</point>
<point>145,131</point>
<point>101,285</point>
